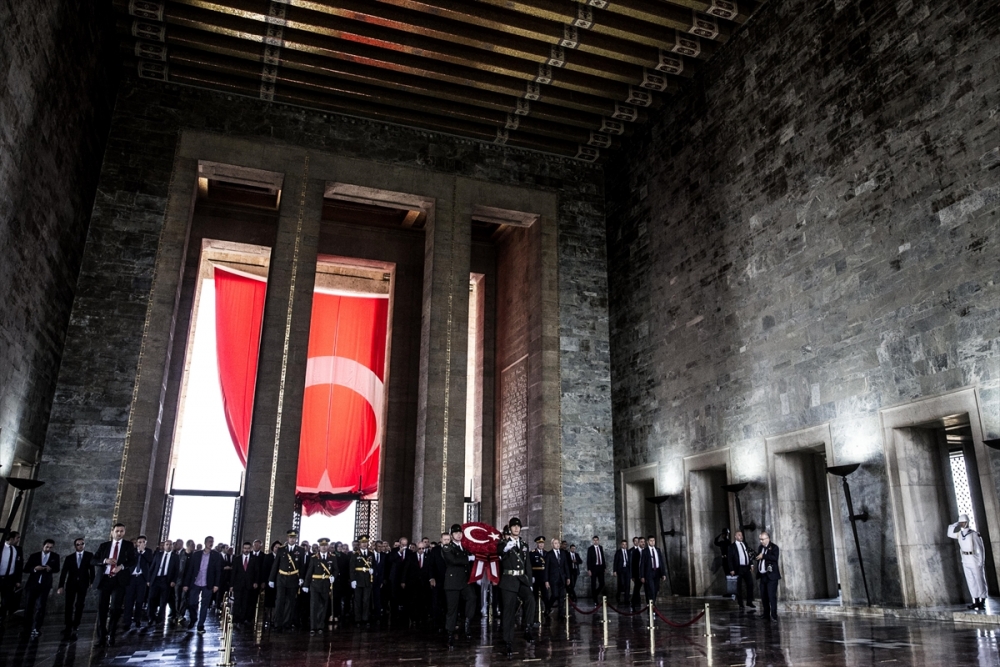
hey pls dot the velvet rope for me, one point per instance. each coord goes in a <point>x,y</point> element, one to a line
<point>677,625</point>
<point>627,613</point>
<point>592,611</point>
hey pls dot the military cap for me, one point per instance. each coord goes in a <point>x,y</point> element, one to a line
<point>323,541</point>
<point>514,522</point>
<point>362,538</point>
<point>456,528</point>
<point>540,538</point>
<point>292,533</point>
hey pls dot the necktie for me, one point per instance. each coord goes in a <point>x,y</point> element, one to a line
<point>246,560</point>
<point>421,561</point>
<point>9,552</point>
<point>597,550</point>
<point>79,560</point>
<point>656,563</point>
<point>114,556</point>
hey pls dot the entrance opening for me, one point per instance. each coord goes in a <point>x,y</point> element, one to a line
<point>709,508</point>
<point>474,399</point>
<point>939,479</point>
<point>809,566</point>
<point>640,520</point>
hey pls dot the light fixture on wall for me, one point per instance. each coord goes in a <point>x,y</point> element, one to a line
<point>22,485</point>
<point>992,443</point>
<point>842,472</point>
<point>735,490</point>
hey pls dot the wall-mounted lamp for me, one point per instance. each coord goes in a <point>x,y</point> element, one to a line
<point>22,485</point>
<point>735,490</point>
<point>992,443</point>
<point>842,472</point>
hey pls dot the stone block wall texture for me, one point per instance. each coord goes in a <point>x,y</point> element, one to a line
<point>57,88</point>
<point>84,443</point>
<point>808,234</point>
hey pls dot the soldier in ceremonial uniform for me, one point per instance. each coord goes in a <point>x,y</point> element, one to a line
<point>538,572</point>
<point>286,577</point>
<point>362,575</point>
<point>320,575</point>
<point>973,560</point>
<point>515,585</point>
<point>458,564</point>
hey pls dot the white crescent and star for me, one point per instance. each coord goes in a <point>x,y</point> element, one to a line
<point>467,533</point>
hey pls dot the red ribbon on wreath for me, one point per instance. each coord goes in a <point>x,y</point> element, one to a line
<point>480,540</point>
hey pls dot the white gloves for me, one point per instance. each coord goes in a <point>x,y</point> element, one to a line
<point>271,584</point>
<point>301,581</point>
<point>510,545</point>
<point>305,589</point>
<point>471,557</point>
<point>354,584</point>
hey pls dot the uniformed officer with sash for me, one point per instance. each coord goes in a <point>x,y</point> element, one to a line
<point>320,574</point>
<point>286,577</point>
<point>458,564</point>
<point>362,575</point>
<point>515,585</point>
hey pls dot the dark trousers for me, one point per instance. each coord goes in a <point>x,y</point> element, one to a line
<point>466,594</point>
<point>36,599</point>
<point>744,580</point>
<point>285,603</point>
<point>243,601</point>
<point>8,596</point>
<point>541,594</point>
<point>199,600</point>
<point>135,597</point>
<point>597,585</point>
<point>556,594</point>
<point>652,588</point>
<point>76,595</point>
<point>109,604</point>
<point>768,597</point>
<point>636,588</point>
<point>510,598</point>
<point>362,603</point>
<point>623,578</point>
<point>160,595</point>
<point>319,604</point>
<point>571,590</point>
<point>377,598</point>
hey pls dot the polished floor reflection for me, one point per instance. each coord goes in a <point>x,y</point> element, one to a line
<point>796,639</point>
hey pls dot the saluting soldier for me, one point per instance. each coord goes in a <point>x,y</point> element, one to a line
<point>515,585</point>
<point>538,571</point>
<point>458,564</point>
<point>286,577</point>
<point>973,560</point>
<point>362,575</point>
<point>320,575</point>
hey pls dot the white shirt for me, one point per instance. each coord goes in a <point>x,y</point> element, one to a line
<point>7,560</point>
<point>743,553</point>
<point>165,562</point>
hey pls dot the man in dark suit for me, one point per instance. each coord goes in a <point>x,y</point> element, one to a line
<point>202,576</point>
<point>574,570</point>
<point>11,570</point>
<point>621,567</point>
<point>768,576</point>
<point>739,565</point>
<point>402,562</point>
<point>596,565</point>
<point>75,579</point>
<point>40,567</point>
<point>379,556</point>
<point>162,584</point>
<point>556,574</point>
<point>138,584</point>
<point>418,585</point>
<point>653,571</point>
<point>246,583</point>
<point>457,589</point>
<point>113,564</point>
<point>635,569</point>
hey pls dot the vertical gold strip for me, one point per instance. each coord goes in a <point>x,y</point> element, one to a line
<point>447,411</point>
<point>285,345</point>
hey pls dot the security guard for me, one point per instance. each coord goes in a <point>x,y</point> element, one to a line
<point>973,560</point>
<point>458,564</point>
<point>515,585</point>
<point>320,574</point>
<point>362,575</point>
<point>538,573</point>
<point>286,577</point>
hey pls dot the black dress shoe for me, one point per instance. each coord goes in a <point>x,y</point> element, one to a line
<point>528,637</point>
<point>451,640</point>
<point>111,640</point>
<point>508,650</point>
<point>101,642</point>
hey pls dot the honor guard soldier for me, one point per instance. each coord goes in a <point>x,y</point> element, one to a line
<point>537,558</point>
<point>458,564</point>
<point>515,585</point>
<point>973,560</point>
<point>320,575</point>
<point>362,575</point>
<point>286,577</point>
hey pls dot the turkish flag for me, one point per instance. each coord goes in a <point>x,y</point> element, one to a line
<point>344,403</point>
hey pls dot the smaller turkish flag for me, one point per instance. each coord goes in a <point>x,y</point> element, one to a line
<point>480,540</point>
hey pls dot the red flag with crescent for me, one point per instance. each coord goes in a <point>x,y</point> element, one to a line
<point>480,540</point>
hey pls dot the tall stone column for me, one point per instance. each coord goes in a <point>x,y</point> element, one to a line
<point>272,459</point>
<point>439,477</point>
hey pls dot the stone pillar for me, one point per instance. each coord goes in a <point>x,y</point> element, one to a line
<point>272,459</point>
<point>440,449</point>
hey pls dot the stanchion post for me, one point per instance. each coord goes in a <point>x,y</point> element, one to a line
<point>650,626</point>
<point>708,621</point>
<point>652,631</point>
<point>604,605</point>
<point>227,632</point>
<point>538,602</point>
<point>567,610</point>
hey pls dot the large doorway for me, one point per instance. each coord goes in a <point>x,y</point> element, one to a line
<point>708,508</point>
<point>938,469</point>
<point>641,514</point>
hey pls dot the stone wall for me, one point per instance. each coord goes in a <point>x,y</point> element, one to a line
<point>808,234</point>
<point>55,108</point>
<point>90,419</point>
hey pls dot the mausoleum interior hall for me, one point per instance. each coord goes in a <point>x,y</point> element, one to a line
<point>299,271</point>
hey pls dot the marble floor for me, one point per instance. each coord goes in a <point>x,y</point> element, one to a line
<point>796,639</point>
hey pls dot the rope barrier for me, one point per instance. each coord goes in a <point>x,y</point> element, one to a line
<point>588,613</point>
<point>625,613</point>
<point>677,625</point>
